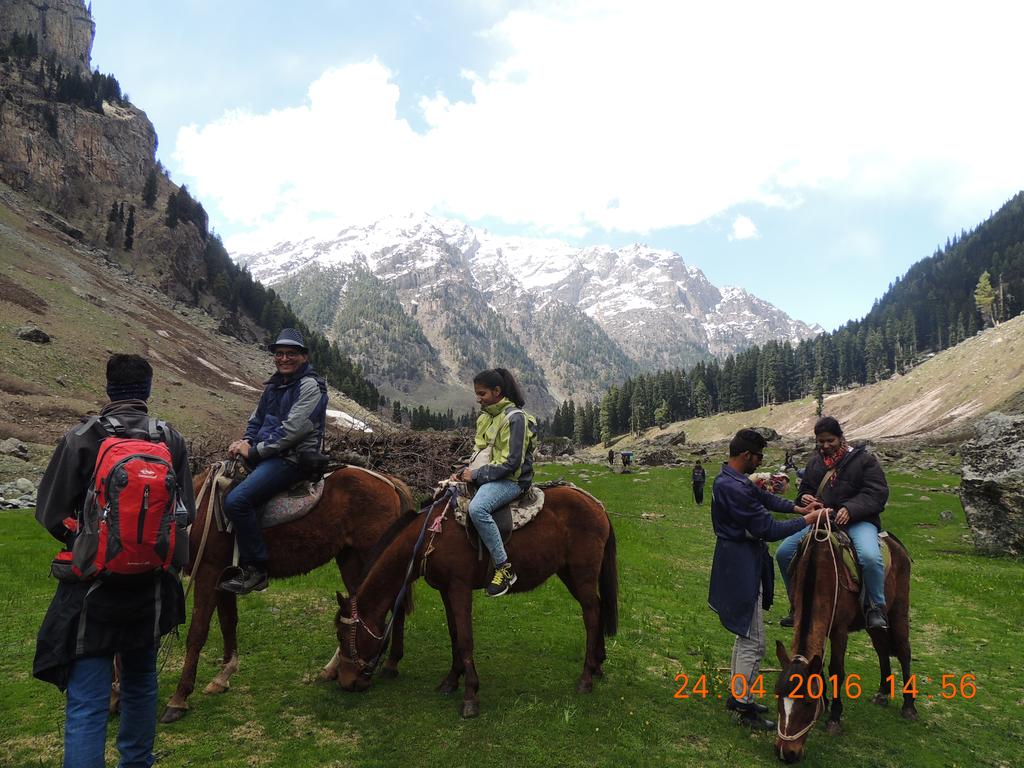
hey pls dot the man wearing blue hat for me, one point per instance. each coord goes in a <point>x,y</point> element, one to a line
<point>287,423</point>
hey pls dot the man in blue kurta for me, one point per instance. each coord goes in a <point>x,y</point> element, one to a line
<point>742,574</point>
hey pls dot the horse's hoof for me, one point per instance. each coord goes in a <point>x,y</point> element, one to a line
<point>833,728</point>
<point>585,686</point>
<point>388,673</point>
<point>214,688</point>
<point>880,699</point>
<point>909,713</point>
<point>173,714</point>
<point>446,688</point>
<point>470,709</point>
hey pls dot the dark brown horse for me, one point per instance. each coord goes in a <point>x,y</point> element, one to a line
<point>827,605</point>
<point>571,536</point>
<point>354,512</point>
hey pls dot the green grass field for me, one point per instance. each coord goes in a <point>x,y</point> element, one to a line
<point>966,619</point>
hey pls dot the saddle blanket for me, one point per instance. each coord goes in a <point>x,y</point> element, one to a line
<point>522,510</point>
<point>292,504</point>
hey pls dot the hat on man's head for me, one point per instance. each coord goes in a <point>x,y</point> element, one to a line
<point>289,337</point>
<point>129,377</point>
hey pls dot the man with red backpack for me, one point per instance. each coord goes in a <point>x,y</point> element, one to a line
<point>118,494</point>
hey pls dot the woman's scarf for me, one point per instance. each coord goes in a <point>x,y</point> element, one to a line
<point>831,462</point>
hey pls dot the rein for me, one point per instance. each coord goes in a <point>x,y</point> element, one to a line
<point>822,532</point>
<point>368,668</point>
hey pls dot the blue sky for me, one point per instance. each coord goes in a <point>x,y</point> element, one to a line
<point>809,152</point>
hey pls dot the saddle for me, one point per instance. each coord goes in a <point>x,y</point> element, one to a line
<point>508,518</point>
<point>850,576</point>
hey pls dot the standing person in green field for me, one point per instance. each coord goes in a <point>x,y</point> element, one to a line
<point>503,468</point>
<point>698,477</point>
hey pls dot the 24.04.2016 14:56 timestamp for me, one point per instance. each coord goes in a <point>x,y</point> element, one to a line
<point>814,686</point>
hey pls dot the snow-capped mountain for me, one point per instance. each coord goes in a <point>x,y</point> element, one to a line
<point>570,320</point>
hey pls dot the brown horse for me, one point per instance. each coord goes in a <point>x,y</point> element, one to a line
<point>354,512</point>
<point>571,536</point>
<point>827,605</point>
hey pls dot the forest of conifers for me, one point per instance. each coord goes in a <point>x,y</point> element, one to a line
<point>930,308</point>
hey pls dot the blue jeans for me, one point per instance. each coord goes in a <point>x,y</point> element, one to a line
<point>270,477</point>
<point>865,544</point>
<point>490,497</point>
<point>85,732</point>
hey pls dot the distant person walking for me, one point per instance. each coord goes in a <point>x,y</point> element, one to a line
<point>611,456</point>
<point>699,477</point>
<point>742,575</point>
<point>92,619</point>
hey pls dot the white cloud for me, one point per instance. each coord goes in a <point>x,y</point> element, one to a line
<point>743,228</point>
<point>642,115</point>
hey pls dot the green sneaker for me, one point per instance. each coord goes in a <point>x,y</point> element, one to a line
<point>504,577</point>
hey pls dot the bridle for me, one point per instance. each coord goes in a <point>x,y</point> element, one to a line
<point>819,708</point>
<point>365,668</point>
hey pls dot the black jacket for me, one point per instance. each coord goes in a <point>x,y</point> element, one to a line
<point>120,613</point>
<point>859,485</point>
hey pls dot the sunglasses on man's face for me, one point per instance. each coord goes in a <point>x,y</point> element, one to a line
<point>287,355</point>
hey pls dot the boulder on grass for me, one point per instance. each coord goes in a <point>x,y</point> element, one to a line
<point>992,485</point>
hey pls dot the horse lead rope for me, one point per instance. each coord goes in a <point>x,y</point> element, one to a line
<point>819,706</point>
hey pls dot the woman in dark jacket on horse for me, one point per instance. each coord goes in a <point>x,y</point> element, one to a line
<point>850,481</point>
<point>288,422</point>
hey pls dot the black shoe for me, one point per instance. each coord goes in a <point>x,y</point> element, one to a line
<point>757,722</point>
<point>874,618</point>
<point>244,580</point>
<point>786,621</point>
<point>504,577</point>
<point>747,707</point>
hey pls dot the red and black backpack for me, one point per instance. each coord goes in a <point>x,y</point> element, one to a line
<point>127,523</point>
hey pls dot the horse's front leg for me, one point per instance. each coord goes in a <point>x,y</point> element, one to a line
<point>397,648</point>
<point>203,601</point>
<point>227,614</point>
<point>461,596</point>
<point>450,683</point>
<point>899,631</point>
<point>837,672</point>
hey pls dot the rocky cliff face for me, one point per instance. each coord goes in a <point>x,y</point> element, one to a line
<point>60,153</point>
<point>62,27</point>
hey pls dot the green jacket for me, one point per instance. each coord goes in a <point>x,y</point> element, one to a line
<point>512,433</point>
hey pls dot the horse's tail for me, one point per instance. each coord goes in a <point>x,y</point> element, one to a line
<point>608,586</point>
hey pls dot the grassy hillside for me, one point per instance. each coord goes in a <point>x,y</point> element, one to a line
<point>529,649</point>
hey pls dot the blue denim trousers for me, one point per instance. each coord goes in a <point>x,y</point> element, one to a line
<point>85,730</point>
<point>489,498</point>
<point>270,477</point>
<point>869,556</point>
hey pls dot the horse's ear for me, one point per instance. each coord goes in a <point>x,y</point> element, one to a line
<point>816,664</point>
<point>342,599</point>
<point>780,652</point>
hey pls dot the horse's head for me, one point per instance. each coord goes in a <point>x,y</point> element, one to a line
<point>359,647</point>
<point>801,695</point>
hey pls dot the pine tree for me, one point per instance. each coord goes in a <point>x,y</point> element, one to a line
<point>149,190</point>
<point>173,215</point>
<point>984,299</point>
<point>396,412</point>
<point>129,229</point>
